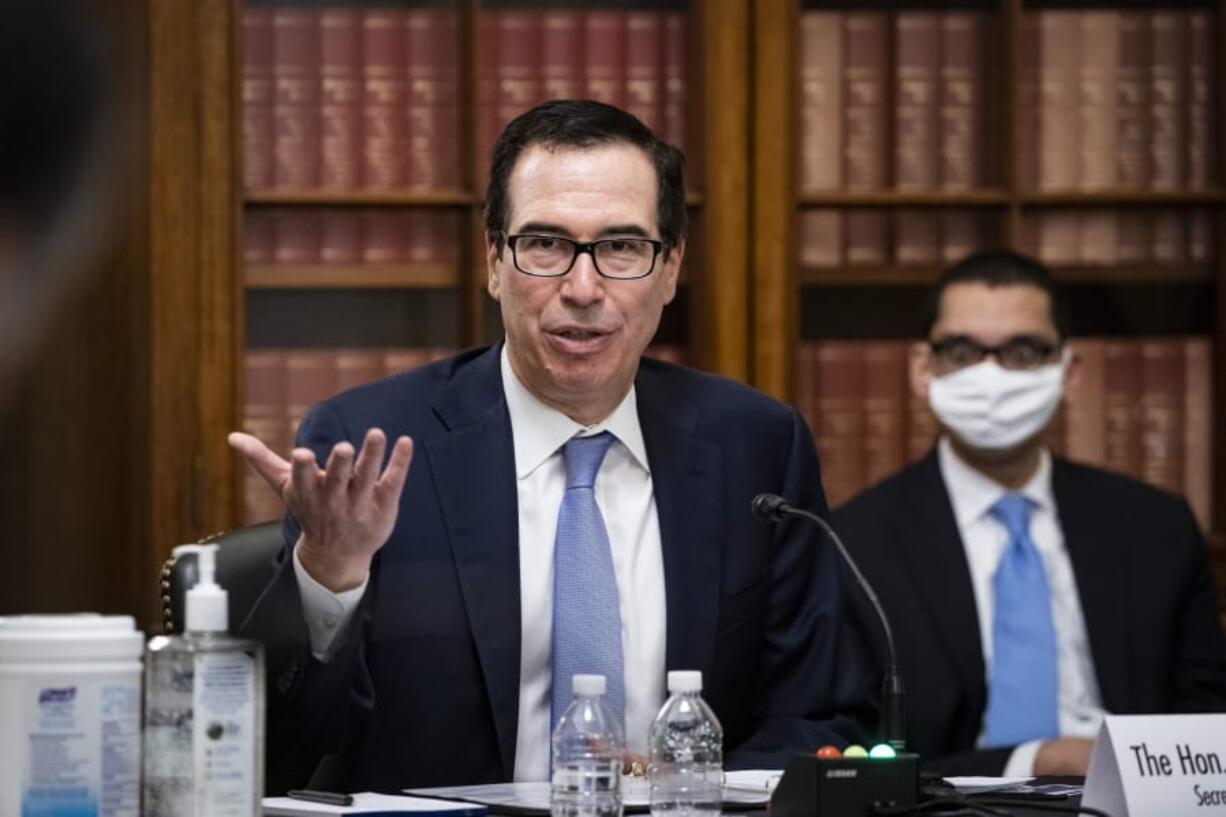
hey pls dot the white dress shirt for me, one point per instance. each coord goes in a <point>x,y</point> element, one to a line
<point>984,538</point>
<point>627,500</point>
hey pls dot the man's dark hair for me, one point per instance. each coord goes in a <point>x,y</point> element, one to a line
<point>1000,268</point>
<point>584,123</point>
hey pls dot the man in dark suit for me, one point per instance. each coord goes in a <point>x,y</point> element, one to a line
<point>1029,595</point>
<point>416,637</point>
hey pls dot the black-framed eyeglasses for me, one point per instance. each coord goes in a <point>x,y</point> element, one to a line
<point>1016,353</point>
<point>548,256</point>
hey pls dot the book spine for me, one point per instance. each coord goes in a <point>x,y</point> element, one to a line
<point>263,418</point>
<point>257,80</point>
<point>310,377</point>
<point>867,234</point>
<point>1200,236</point>
<point>922,427</point>
<point>644,65</point>
<point>1132,102</point>
<point>259,236</point>
<point>432,110</point>
<point>397,359</point>
<point>383,99</point>
<point>340,47</point>
<point>1202,158</point>
<point>355,366</point>
<point>1121,398</point>
<point>519,49</point>
<point>916,236</point>
<point>340,236</point>
<point>885,409</point>
<point>561,53</point>
<point>916,69</point>
<point>821,100</point>
<point>296,97</point>
<point>1162,399</point>
<point>1168,97</point>
<point>821,237</point>
<point>865,53</point>
<point>604,51</point>
<point>1167,242</point>
<point>1198,428</point>
<point>675,62</point>
<point>840,431</point>
<point>1029,103</point>
<point>1059,137</point>
<point>1099,236</point>
<point>382,232</point>
<point>961,234</point>
<point>962,101</point>
<point>297,236</point>
<point>1084,409</point>
<point>1100,34</point>
<point>1133,237</point>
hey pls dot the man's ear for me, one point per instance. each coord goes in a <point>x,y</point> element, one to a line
<point>493,283</point>
<point>672,270</point>
<point>1073,373</point>
<point>919,371</point>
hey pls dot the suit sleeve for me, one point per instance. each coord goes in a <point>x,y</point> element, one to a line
<point>313,707</point>
<point>1199,671</point>
<point>812,684</point>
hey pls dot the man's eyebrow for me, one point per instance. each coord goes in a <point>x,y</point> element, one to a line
<point>547,228</point>
<point>963,337</point>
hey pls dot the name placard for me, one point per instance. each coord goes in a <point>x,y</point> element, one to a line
<point>1159,766</point>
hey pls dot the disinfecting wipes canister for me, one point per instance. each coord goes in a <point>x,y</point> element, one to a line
<point>70,716</point>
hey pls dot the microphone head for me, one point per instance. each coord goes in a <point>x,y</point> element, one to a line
<point>769,506</point>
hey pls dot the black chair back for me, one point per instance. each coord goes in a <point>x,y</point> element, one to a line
<point>244,568</point>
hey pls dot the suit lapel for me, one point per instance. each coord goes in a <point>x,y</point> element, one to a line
<point>936,558</point>
<point>479,510</point>
<point>687,481</point>
<point>1098,568</point>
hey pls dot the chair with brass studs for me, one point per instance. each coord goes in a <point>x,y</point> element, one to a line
<point>244,568</point>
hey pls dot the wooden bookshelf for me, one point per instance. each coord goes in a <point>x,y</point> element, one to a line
<point>351,276</point>
<point>358,198</point>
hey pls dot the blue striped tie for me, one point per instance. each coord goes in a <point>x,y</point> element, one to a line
<point>587,625</point>
<point>1023,692</point>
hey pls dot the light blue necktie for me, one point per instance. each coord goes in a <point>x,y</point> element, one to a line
<point>1023,693</point>
<point>587,624</point>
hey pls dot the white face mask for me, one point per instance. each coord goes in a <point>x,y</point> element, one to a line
<point>991,407</point>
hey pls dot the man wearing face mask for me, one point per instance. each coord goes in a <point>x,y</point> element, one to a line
<point>1030,595</point>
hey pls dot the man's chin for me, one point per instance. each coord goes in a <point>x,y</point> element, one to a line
<point>995,455</point>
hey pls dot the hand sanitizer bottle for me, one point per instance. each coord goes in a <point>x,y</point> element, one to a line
<point>204,711</point>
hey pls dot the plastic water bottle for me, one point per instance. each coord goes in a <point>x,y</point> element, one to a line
<point>687,753</point>
<point>587,755</point>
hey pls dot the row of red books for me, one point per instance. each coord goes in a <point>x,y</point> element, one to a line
<point>632,58</point>
<point>282,383</point>
<point>340,98</point>
<point>338,235</point>
<point>875,237</point>
<point>1106,100</point>
<point>937,78</point>
<point>1143,408</point>
<point>1116,99</point>
<point>1096,236</point>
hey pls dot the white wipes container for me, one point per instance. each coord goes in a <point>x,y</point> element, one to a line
<point>70,695</point>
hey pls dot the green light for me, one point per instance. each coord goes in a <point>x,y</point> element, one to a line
<point>855,750</point>
<point>883,751</point>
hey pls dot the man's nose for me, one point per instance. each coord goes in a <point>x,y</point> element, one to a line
<point>583,284</point>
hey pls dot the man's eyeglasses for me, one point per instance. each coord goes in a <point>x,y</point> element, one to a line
<point>548,256</point>
<point>1016,353</point>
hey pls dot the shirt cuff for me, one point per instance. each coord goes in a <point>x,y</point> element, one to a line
<point>1021,762</point>
<point>326,613</point>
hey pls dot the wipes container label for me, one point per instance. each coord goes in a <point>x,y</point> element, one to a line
<point>83,750</point>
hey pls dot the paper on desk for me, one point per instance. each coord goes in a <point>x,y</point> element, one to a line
<point>981,785</point>
<point>533,798</point>
<point>369,803</point>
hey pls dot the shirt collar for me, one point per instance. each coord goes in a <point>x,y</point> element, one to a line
<point>973,494</point>
<point>540,430</point>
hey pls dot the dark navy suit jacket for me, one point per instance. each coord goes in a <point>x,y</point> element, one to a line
<point>1142,578</point>
<point>425,690</point>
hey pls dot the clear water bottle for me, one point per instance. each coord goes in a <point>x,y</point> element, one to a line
<point>687,752</point>
<point>587,755</point>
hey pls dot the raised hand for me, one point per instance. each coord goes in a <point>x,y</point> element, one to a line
<point>346,510</point>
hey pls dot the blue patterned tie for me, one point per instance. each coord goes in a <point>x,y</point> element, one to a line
<point>587,624</point>
<point>1023,693</point>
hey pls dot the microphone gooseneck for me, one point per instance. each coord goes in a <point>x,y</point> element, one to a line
<point>775,508</point>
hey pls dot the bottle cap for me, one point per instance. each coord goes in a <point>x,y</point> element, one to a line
<point>207,604</point>
<point>588,685</point>
<point>685,680</point>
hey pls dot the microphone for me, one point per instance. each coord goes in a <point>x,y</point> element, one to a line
<point>775,508</point>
